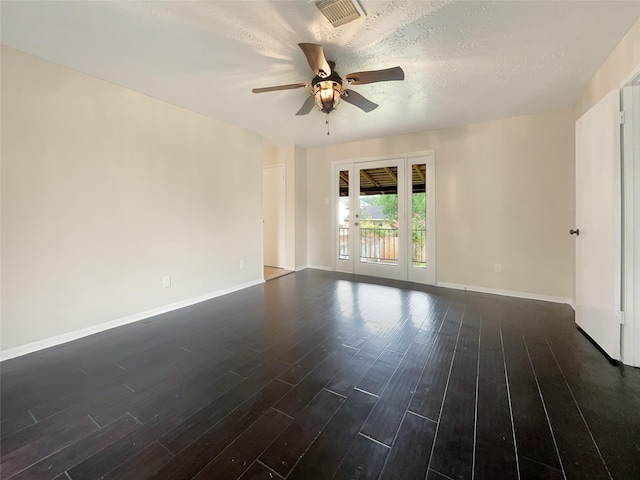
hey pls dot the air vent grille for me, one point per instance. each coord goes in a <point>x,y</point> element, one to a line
<point>338,12</point>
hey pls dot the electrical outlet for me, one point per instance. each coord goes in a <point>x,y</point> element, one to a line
<point>241,264</point>
<point>497,268</point>
<point>166,281</point>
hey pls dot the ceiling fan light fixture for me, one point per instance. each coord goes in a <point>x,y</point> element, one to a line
<point>327,95</point>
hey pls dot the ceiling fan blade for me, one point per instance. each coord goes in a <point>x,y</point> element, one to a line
<point>307,106</point>
<point>315,57</point>
<point>354,98</point>
<point>372,76</point>
<point>291,86</point>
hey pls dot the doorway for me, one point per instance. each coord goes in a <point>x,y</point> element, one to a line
<point>384,217</point>
<point>274,215</point>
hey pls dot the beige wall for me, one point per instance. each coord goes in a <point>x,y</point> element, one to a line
<point>301,206</point>
<point>621,63</point>
<point>624,59</point>
<point>503,195</point>
<point>105,191</point>
<point>505,191</point>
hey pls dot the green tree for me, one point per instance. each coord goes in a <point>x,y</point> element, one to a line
<point>389,204</point>
<point>418,213</point>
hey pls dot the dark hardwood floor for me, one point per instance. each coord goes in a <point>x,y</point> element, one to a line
<point>318,375</point>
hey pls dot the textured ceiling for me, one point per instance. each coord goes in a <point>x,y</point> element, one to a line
<point>464,62</point>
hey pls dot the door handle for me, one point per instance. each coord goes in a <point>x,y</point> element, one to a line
<point>356,224</point>
<point>575,232</point>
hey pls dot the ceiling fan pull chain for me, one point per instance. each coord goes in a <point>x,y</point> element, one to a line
<point>327,123</point>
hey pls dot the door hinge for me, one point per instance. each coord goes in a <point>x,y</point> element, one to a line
<point>620,317</point>
<point>621,119</point>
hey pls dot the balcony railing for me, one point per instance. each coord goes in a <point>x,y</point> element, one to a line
<point>343,243</point>
<point>380,245</point>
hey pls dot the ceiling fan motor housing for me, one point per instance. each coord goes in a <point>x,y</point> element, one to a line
<point>327,91</point>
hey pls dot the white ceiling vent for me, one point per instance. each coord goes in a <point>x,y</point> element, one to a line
<point>338,12</point>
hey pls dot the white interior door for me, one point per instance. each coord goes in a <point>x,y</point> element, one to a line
<point>598,219</point>
<point>274,215</point>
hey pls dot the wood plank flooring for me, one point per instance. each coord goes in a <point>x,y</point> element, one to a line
<point>320,375</point>
<point>274,272</point>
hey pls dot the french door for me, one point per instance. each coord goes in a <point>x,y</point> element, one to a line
<point>385,218</point>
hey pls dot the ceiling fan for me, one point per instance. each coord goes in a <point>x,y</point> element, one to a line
<point>327,87</point>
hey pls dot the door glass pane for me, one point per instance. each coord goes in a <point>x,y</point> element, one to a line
<point>379,215</point>
<point>343,215</point>
<point>418,215</point>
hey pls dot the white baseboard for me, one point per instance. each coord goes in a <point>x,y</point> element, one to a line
<point>507,293</point>
<point>75,335</point>
<point>494,291</point>
<point>302,267</point>
<point>321,267</point>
